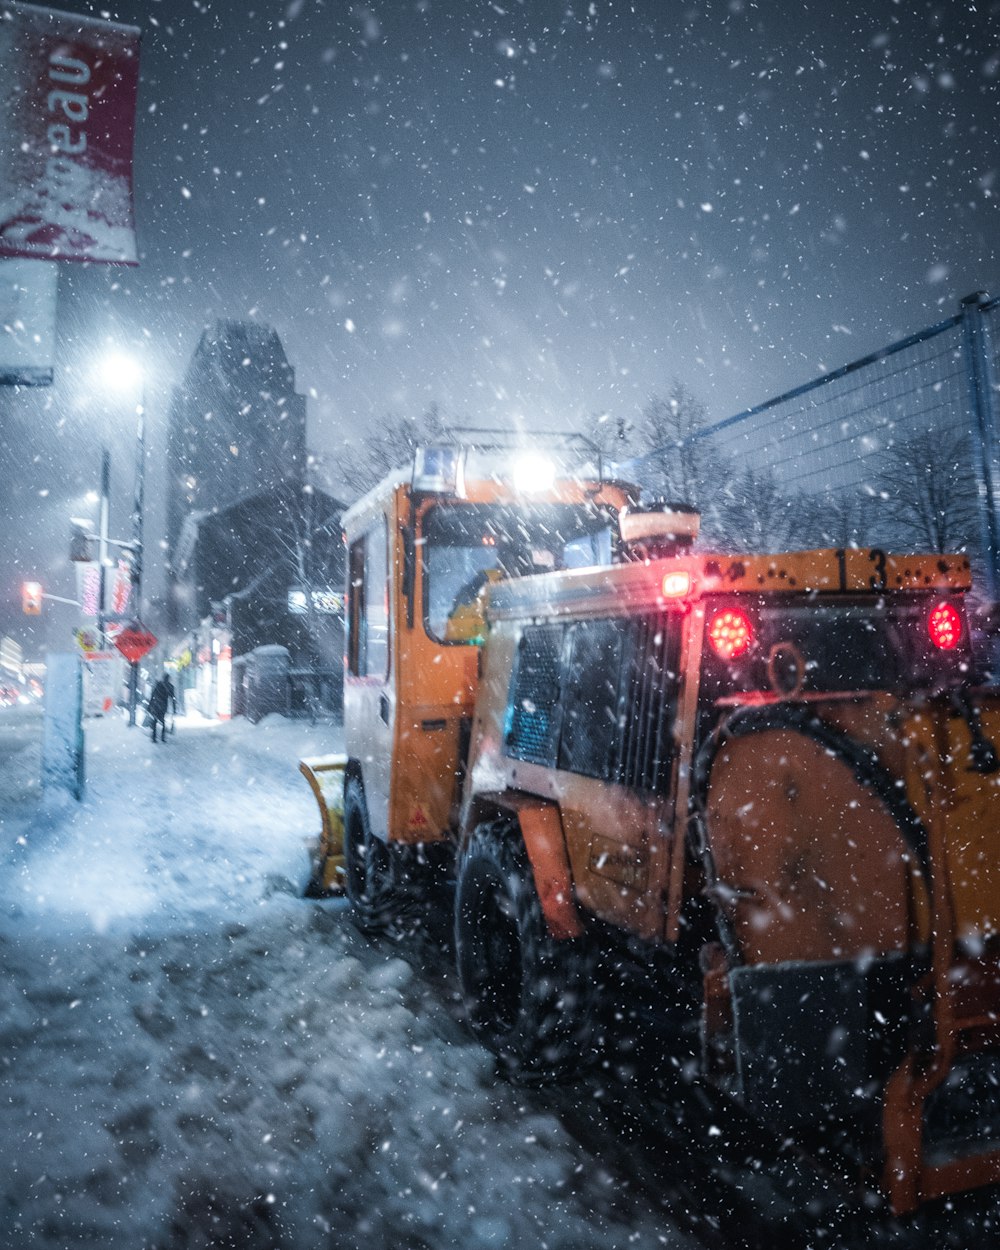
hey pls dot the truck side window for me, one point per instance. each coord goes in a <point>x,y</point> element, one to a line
<point>590,699</point>
<point>647,705</point>
<point>368,621</point>
<point>532,729</point>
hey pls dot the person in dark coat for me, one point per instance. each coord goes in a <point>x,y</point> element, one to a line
<point>162,694</point>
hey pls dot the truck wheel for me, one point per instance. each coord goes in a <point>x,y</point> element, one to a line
<point>368,865</point>
<point>529,998</point>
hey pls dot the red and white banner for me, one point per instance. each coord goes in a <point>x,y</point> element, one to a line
<point>88,588</point>
<point>121,589</point>
<point>68,86</point>
<point>117,588</point>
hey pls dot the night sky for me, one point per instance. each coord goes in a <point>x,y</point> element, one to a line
<point>524,212</point>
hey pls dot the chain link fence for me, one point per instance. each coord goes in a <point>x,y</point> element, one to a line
<point>897,449</point>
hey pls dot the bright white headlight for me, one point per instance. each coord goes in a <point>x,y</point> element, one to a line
<point>533,473</point>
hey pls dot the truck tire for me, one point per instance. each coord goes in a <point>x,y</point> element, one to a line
<point>368,865</point>
<point>529,998</point>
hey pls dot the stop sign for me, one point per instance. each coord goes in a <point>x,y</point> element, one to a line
<point>134,642</point>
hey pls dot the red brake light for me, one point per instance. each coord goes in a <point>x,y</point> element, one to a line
<point>730,633</point>
<point>944,624</point>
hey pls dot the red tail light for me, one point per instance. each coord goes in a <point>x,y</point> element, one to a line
<point>730,633</point>
<point>944,624</point>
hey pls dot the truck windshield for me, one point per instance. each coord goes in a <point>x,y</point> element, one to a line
<point>466,547</point>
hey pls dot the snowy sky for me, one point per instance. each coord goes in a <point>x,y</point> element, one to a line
<point>526,211</point>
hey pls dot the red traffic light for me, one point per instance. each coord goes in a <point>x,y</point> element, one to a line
<point>31,598</point>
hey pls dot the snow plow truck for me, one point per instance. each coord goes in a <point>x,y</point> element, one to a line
<point>775,776</point>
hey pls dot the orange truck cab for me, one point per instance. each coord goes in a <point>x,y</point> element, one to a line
<point>423,548</point>
<point>777,778</point>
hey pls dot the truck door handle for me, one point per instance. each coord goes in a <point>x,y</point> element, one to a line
<point>383,708</point>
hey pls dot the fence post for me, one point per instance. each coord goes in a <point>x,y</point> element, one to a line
<point>979,371</point>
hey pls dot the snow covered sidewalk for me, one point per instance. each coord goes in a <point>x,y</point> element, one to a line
<point>195,1056</point>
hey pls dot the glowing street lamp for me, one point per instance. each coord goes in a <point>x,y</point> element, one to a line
<point>123,373</point>
<point>120,372</point>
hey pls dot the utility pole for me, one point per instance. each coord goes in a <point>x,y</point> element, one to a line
<point>137,519</point>
<point>102,550</point>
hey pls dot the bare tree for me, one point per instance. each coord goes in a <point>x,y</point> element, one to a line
<point>661,451</point>
<point>845,518</point>
<point>387,446</point>
<point>616,438</point>
<point>928,497</point>
<point>682,466</point>
<point>755,514</point>
<point>256,551</point>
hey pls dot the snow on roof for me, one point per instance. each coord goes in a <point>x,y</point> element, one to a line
<point>371,501</point>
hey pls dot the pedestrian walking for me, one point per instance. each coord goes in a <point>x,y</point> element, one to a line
<point>160,697</point>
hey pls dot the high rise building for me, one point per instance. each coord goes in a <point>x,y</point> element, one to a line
<point>236,424</point>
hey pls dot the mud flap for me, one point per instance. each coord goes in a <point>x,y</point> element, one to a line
<point>814,1041</point>
<point>962,1116</point>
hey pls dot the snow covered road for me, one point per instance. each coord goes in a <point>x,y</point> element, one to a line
<point>193,1055</point>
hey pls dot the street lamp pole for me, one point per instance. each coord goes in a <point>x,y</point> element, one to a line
<point>125,374</point>
<point>102,550</point>
<point>137,523</point>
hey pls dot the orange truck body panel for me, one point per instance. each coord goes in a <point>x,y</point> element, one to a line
<point>834,827</point>
<point>823,857</point>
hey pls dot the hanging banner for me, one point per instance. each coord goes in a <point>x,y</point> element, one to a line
<point>121,588</point>
<point>68,98</point>
<point>88,588</point>
<point>117,589</point>
<point>27,322</point>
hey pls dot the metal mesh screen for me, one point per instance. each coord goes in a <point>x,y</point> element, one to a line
<point>532,730</point>
<point>898,449</point>
<point>591,697</point>
<point>831,435</point>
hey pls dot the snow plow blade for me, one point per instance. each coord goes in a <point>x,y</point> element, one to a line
<point>325,774</point>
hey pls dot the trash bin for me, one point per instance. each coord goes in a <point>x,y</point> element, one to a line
<point>267,682</point>
<point>239,686</point>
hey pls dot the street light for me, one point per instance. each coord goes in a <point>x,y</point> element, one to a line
<point>121,372</point>
<point>124,373</point>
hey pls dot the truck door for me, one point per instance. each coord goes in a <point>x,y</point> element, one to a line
<point>369,693</point>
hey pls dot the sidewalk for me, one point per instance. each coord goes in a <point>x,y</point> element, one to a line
<point>203,821</point>
<point>194,1056</point>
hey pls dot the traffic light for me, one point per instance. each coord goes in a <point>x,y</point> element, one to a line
<point>31,598</point>
<point>81,548</point>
